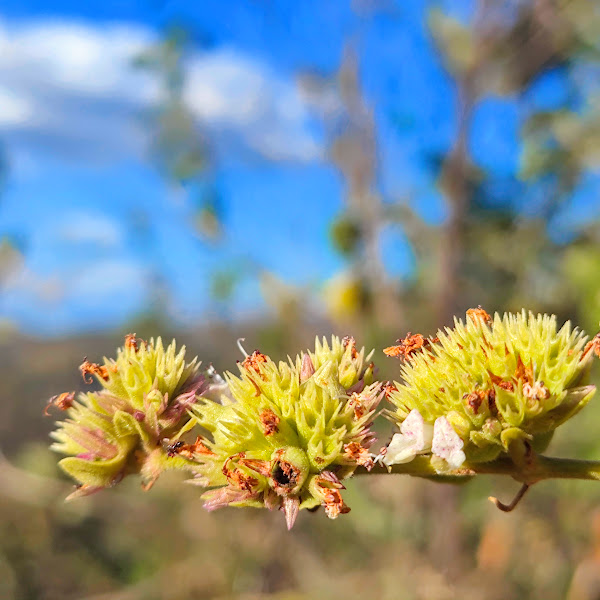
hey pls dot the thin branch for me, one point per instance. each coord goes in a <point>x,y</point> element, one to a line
<point>510,507</point>
<point>540,468</point>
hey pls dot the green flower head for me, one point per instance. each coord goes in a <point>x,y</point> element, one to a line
<point>119,430</point>
<point>487,384</point>
<point>288,434</point>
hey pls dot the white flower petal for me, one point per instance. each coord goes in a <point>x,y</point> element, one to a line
<point>415,437</point>
<point>401,449</point>
<point>414,427</point>
<point>447,444</point>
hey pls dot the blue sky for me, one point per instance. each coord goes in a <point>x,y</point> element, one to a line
<point>81,185</point>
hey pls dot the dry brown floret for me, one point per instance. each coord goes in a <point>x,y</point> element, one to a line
<point>88,368</point>
<point>270,422</point>
<point>63,401</point>
<point>254,360</point>
<point>479,314</point>
<point>358,454</point>
<point>409,345</point>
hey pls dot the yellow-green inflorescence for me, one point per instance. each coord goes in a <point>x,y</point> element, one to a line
<point>119,430</point>
<point>486,387</point>
<point>286,435</point>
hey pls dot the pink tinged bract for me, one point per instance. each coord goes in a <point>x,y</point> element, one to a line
<point>307,369</point>
<point>290,506</point>
<point>224,497</point>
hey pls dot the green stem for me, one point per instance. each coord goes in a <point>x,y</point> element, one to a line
<point>543,467</point>
<point>537,469</point>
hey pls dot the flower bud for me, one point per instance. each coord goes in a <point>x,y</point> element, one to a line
<point>354,370</point>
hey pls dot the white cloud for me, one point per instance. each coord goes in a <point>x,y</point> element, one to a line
<point>107,292</point>
<point>77,58</point>
<point>225,87</point>
<point>71,89</point>
<point>24,282</point>
<point>229,90</point>
<point>94,228</point>
<point>15,109</point>
<point>110,281</point>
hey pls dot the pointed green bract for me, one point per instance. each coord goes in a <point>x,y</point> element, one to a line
<point>290,432</point>
<point>513,378</point>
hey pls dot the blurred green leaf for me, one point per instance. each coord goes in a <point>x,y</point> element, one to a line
<point>455,40</point>
<point>345,235</point>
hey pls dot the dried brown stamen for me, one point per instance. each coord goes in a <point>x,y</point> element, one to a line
<point>88,368</point>
<point>389,388</point>
<point>284,475</point>
<point>537,391</point>
<point>358,454</point>
<point>63,401</point>
<point>409,345</point>
<point>256,387</point>
<point>349,340</point>
<point>329,486</point>
<point>132,342</point>
<point>357,404</point>
<point>475,399</point>
<point>479,314</point>
<point>269,421</point>
<point>253,361</point>
<point>236,477</point>
<point>592,346</point>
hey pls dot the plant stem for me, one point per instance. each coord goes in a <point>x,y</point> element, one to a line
<point>537,469</point>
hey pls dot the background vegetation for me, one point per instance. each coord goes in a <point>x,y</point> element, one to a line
<point>497,246</point>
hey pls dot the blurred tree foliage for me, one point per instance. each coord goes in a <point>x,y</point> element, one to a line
<point>500,246</point>
<point>181,149</point>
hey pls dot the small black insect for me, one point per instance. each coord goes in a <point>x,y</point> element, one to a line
<point>173,449</point>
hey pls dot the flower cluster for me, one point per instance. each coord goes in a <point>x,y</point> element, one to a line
<point>485,386</point>
<point>119,430</point>
<point>289,433</point>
